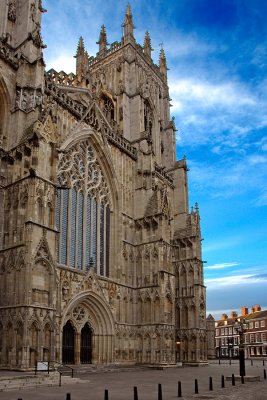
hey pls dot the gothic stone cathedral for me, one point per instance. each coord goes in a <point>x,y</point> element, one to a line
<point>100,257</point>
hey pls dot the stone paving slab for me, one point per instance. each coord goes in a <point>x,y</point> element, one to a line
<point>120,385</point>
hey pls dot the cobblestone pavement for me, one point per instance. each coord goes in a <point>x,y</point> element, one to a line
<point>120,385</point>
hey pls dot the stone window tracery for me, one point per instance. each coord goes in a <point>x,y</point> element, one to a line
<point>83,211</point>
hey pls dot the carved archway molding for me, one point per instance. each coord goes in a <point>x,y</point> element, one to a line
<point>101,317</point>
<point>101,322</point>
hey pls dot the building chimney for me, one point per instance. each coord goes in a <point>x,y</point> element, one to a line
<point>256,308</point>
<point>233,314</point>
<point>244,311</point>
<point>224,317</point>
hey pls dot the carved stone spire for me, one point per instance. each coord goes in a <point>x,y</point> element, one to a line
<point>162,63</point>
<point>128,26</point>
<point>147,45</point>
<point>80,47</point>
<point>81,59</point>
<point>102,40</point>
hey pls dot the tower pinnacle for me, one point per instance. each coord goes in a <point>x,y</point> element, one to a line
<point>147,45</point>
<point>80,47</point>
<point>102,40</point>
<point>81,59</point>
<point>162,63</point>
<point>128,24</point>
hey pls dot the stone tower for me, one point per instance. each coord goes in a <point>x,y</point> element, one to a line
<point>100,258</point>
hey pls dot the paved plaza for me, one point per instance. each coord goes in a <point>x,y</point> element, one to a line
<point>120,385</point>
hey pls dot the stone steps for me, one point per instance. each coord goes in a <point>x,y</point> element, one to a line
<point>34,381</point>
<point>94,368</point>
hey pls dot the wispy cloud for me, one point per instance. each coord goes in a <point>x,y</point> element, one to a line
<point>232,177</point>
<point>207,94</point>
<point>221,266</point>
<point>232,280</point>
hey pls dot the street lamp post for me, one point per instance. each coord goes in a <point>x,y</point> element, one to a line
<point>241,326</point>
<point>230,348</point>
<point>178,354</point>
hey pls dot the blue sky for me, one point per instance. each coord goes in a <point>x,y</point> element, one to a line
<point>217,57</point>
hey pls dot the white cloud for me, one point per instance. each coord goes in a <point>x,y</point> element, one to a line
<point>62,61</point>
<point>207,94</point>
<point>221,266</point>
<point>233,280</point>
<point>231,176</point>
<point>257,159</point>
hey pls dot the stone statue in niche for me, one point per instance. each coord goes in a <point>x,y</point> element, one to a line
<point>65,290</point>
<point>121,87</point>
<point>12,12</point>
<point>38,98</point>
<point>27,101</point>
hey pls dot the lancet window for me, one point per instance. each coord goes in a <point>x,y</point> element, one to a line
<point>83,210</point>
<point>148,118</point>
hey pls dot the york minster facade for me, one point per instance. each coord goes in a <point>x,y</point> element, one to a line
<point>100,257</point>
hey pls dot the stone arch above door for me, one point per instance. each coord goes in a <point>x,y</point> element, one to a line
<point>88,307</point>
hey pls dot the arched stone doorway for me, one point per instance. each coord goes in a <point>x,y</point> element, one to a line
<point>68,344</point>
<point>88,334</point>
<point>86,344</point>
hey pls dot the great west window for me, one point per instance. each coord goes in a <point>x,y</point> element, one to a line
<point>83,210</point>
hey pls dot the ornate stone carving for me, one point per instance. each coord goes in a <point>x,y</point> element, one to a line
<point>79,313</point>
<point>65,290</point>
<point>12,11</point>
<point>129,55</point>
<point>6,53</point>
<point>80,168</point>
<point>47,130</point>
<point>37,37</point>
<point>27,99</point>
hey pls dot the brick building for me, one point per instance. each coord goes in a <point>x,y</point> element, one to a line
<point>227,333</point>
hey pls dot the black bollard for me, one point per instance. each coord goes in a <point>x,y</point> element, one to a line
<point>251,362</point>
<point>135,393</point>
<point>264,374</point>
<point>223,385</point>
<point>263,362</point>
<point>196,386</point>
<point>179,389</point>
<point>159,392</point>
<point>242,379</point>
<point>106,394</point>
<point>233,379</point>
<point>68,396</point>
<point>210,384</point>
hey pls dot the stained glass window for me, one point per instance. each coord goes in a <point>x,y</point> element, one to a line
<point>94,231</point>
<point>88,231</point>
<point>82,219</point>
<point>58,209</point>
<point>64,227</point>
<point>102,243</point>
<point>107,238</point>
<point>73,227</point>
<point>80,231</point>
